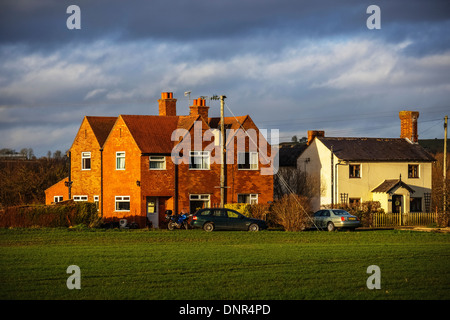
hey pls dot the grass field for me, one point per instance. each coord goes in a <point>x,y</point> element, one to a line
<point>162,265</point>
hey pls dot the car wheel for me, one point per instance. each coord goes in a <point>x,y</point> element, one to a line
<point>330,226</point>
<point>208,227</point>
<point>253,227</point>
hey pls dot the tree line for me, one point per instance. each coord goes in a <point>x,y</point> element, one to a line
<point>24,177</point>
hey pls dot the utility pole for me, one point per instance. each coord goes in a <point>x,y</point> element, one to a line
<point>332,179</point>
<point>445,167</point>
<point>222,153</point>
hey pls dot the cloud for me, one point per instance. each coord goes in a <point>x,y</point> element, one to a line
<point>291,65</point>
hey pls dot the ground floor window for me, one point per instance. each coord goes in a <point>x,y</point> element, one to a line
<point>122,203</point>
<point>199,201</point>
<point>415,205</point>
<point>57,199</point>
<point>248,198</point>
<point>96,201</point>
<point>80,198</point>
<point>354,202</point>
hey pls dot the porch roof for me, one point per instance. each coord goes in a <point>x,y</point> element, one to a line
<point>388,185</point>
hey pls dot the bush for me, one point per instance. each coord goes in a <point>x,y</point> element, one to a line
<point>242,208</point>
<point>67,215</point>
<point>364,212</point>
<point>292,212</point>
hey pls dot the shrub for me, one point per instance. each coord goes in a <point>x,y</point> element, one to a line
<point>292,212</point>
<point>242,208</point>
<point>364,212</point>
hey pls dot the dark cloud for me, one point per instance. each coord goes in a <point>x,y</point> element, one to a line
<point>286,63</point>
<point>185,20</point>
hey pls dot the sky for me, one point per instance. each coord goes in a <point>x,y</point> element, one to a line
<point>291,65</point>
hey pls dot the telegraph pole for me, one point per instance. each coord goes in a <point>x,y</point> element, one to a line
<point>445,167</point>
<point>222,152</point>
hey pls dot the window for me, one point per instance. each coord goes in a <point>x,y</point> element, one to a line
<point>199,160</point>
<point>248,198</point>
<point>80,198</point>
<point>120,160</point>
<point>248,160</point>
<point>232,214</point>
<point>355,171</point>
<point>354,202</point>
<point>85,161</point>
<point>57,199</point>
<point>96,201</point>
<point>122,203</point>
<point>413,170</point>
<point>201,197</point>
<point>415,205</point>
<point>157,163</point>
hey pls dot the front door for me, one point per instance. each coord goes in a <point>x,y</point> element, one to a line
<point>397,203</point>
<point>152,211</point>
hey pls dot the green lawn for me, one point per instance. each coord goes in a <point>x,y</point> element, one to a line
<point>143,264</point>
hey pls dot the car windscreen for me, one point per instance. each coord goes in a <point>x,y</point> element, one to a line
<point>341,213</point>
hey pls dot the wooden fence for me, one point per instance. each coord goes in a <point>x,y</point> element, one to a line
<point>404,219</point>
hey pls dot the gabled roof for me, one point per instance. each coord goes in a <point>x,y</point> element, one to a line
<point>153,133</point>
<point>101,126</point>
<point>230,122</point>
<point>388,185</point>
<point>376,149</point>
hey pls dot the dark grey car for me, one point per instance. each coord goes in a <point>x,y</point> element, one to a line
<point>332,219</point>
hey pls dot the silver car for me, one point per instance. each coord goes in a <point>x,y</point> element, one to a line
<point>332,219</point>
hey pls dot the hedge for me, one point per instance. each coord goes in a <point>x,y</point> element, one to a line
<point>66,215</point>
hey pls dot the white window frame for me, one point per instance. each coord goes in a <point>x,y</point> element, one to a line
<point>120,157</point>
<point>252,158</point>
<point>201,197</point>
<point>80,198</point>
<point>57,199</point>
<point>157,159</point>
<point>86,155</point>
<point>120,199</point>
<point>202,155</point>
<point>252,197</point>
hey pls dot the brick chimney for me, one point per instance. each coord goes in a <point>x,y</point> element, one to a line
<point>199,108</point>
<point>167,104</point>
<point>408,125</point>
<point>314,133</point>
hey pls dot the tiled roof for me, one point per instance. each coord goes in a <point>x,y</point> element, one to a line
<point>101,126</point>
<point>230,122</point>
<point>153,133</point>
<point>388,185</point>
<point>376,149</point>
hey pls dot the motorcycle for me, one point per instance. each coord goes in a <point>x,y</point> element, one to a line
<point>177,221</point>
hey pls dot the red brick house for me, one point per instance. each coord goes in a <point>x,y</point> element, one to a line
<point>133,166</point>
